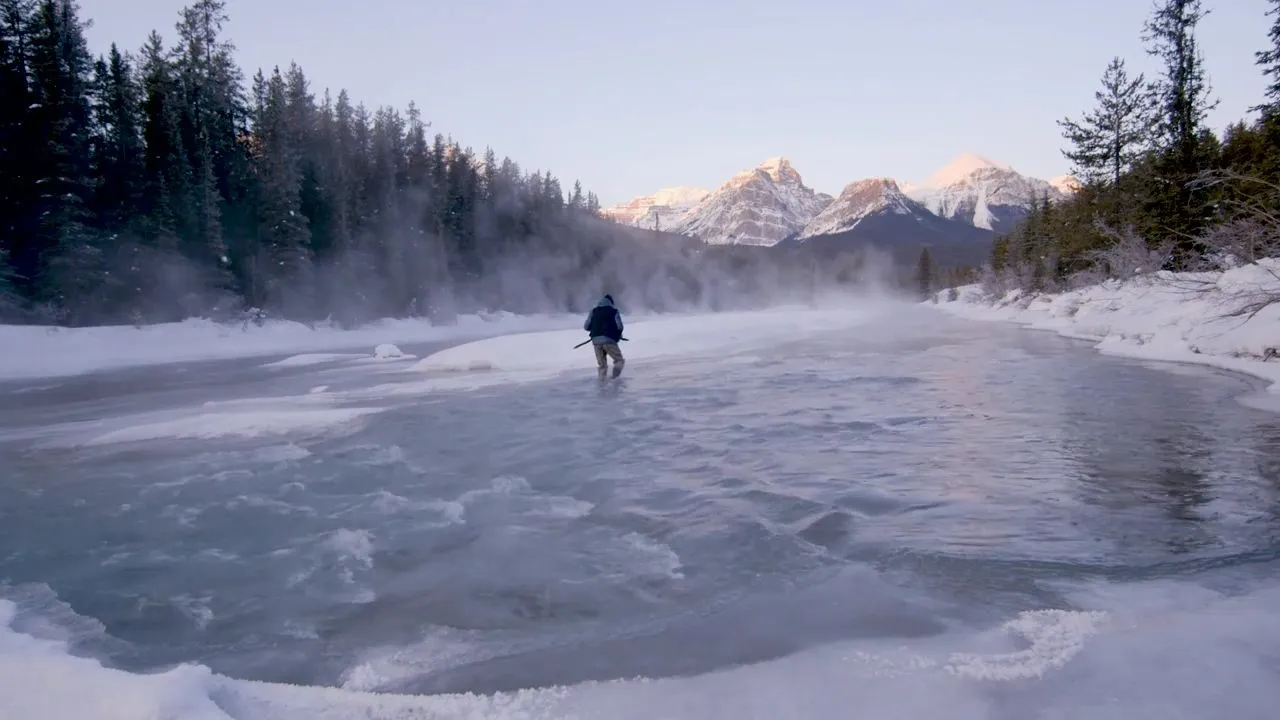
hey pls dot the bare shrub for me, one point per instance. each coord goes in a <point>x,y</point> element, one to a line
<point>1252,229</point>
<point>1129,254</point>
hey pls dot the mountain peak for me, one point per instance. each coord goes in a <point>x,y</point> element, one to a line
<point>959,168</point>
<point>1066,184</point>
<point>983,193</point>
<point>858,200</point>
<point>760,206</point>
<point>779,169</point>
<point>659,210</point>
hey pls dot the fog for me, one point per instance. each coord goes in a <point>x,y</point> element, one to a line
<point>394,268</point>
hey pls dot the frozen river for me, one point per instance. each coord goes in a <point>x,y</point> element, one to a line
<point>903,516</point>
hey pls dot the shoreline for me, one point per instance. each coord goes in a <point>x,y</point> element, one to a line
<point>1152,318</point>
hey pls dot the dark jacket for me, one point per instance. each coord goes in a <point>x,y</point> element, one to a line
<point>604,322</point>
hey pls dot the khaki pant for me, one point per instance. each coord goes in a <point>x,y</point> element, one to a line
<point>608,350</point>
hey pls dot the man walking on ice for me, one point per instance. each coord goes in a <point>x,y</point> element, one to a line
<point>604,325</point>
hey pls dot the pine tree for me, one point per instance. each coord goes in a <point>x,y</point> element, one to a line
<point>1000,253</point>
<point>1186,146</point>
<point>491,181</point>
<point>134,185</point>
<point>214,109</point>
<point>1184,89</point>
<point>1107,141</point>
<point>283,230</point>
<point>17,180</point>
<point>417,150</point>
<point>10,297</point>
<point>924,274</point>
<point>119,156</point>
<point>343,188</point>
<point>61,78</point>
<point>212,112</point>
<point>166,175</point>
<point>459,222</point>
<point>1269,60</point>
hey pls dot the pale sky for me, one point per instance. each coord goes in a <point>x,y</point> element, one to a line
<point>630,97</point>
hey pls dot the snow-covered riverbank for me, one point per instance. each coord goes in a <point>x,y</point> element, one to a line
<point>1203,318</point>
<point>39,351</point>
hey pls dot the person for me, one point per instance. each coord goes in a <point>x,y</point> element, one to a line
<point>604,325</point>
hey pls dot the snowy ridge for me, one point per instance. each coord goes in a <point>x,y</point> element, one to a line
<point>1065,184</point>
<point>961,167</point>
<point>761,206</point>
<point>770,202</point>
<point>1176,317</point>
<point>989,197</point>
<point>660,210</point>
<point>859,200</point>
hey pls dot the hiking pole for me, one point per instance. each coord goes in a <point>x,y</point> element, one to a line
<point>584,342</point>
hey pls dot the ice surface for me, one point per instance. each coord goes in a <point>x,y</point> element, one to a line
<point>1176,317</point>
<point>37,351</point>
<point>236,424</point>
<point>1160,650</point>
<point>308,359</point>
<point>533,356</point>
<point>1170,650</point>
<point>311,414</point>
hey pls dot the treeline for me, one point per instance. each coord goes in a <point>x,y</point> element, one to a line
<point>155,186</point>
<point>1160,189</point>
<point>163,184</point>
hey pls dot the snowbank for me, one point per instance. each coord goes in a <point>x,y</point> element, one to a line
<point>1175,317</point>
<point>1111,662</point>
<point>39,352</point>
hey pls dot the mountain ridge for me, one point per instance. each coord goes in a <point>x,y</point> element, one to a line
<point>768,203</point>
<point>759,206</point>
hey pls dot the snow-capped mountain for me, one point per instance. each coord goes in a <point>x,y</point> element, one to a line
<point>968,198</point>
<point>876,212</point>
<point>1066,184</point>
<point>658,211</point>
<point>984,193</point>
<point>760,206</point>
<point>858,201</point>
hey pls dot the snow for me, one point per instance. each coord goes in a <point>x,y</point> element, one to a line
<point>779,169</point>
<point>974,196</point>
<point>257,423</point>
<point>769,202</point>
<point>540,355</point>
<point>679,195</point>
<point>761,206</point>
<point>662,209</point>
<point>44,352</point>
<point>387,351</point>
<point>971,188</point>
<point>1066,184</point>
<point>1174,317</point>
<point>1107,663</point>
<point>960,167</point>
<point>309,359</point>
<point>314,413</point>
<point>858,200</point>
